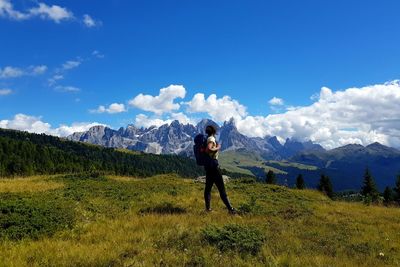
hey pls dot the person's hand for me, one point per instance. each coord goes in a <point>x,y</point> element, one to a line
<point>218,147</point>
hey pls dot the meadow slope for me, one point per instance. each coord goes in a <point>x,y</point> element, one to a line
<point>90,220</point>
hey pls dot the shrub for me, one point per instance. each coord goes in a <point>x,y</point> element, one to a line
<point>33,217</point>
<point>241,238</point>
<point>164,208</point>
<point>249,207</point>
<point>300,182</point>
<point>270,177</point>
<point>246,180</point>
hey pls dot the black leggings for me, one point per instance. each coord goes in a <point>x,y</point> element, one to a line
<point>213,175</point>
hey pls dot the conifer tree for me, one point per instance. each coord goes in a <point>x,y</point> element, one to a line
<point>369,187</point>
<point>388,195</point>
<point>300,182</point>
<point>270,178</point>
<point>325,185</point>
<point>397,189</point>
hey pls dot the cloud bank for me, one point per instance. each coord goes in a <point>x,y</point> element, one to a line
<point>162,103</point>
<point>335,118</point>
<point>35,124</point>
<point>355,115</point>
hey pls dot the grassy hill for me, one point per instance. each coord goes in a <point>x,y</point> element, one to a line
<point>245,162</point>
<point>23,154</point>
<point>69,220</point>
<point>252,164</point>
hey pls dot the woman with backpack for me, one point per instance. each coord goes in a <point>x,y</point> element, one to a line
<point>213,172</point>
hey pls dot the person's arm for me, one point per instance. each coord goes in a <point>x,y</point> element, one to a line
<point>213,148</point>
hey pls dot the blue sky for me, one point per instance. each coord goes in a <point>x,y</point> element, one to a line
<point>251,51</point>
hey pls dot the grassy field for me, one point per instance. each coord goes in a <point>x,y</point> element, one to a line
<point>239,162</point>
<point>159,221</point>
<point>299,166</point>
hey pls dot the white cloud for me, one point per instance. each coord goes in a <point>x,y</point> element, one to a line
<point>28,123</point>
<point>7,10</point>
<point>4,92</point>
<point>90,22</point>
<point>35,124</point>
<point>38,70</point>
<point>355,115</point>
<point>53,80</point>
<point>71,64</point>
<point>97,54</point>
<point>162,103</point>
<point>112,109</point>
<point>15,72</point>
<point>65,130</point>
<point>54,12</point>
<point>275,101</point>
<point>62,71</point>
<point>10,72</point>
<point>145,121</point>
<point>220,109</point>
<point>67,89</point>
<point>182,118</point>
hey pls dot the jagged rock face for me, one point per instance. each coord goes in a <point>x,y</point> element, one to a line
<point>201,126</point>
<point>167,139</point>
<point>177,138</point>
<point>231,139</point>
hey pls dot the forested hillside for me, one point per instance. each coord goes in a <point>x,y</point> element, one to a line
<point>23,153</point>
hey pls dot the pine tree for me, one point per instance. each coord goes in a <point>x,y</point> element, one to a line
<point>270,178</point>
<point>388,195</point>
<point>369,187</point>
<point>300,182</point>
<point>397,189</point>
<point>325,185</point>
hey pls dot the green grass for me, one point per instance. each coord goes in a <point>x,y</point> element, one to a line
<point>123,221</point>
<point>299,166</point>
<point>238,162</point>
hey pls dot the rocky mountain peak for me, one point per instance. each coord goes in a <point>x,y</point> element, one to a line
<point>201,126</point>
<point>177,138</point>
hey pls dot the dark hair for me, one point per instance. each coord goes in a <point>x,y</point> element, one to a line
<point>210,130</point>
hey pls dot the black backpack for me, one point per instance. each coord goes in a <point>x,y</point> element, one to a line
<point>199,148</point>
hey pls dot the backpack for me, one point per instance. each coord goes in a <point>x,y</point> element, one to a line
<point>199,148</point>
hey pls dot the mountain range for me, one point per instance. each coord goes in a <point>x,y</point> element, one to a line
<point>177,138</point>
<point>345,165</point>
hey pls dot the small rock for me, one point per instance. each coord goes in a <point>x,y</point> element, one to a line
<point>202,179</point>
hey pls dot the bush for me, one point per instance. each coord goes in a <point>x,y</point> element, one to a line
<point>246,180</point>
<point>33,217</point>
<point>240,238</point>
<point>164,208</point>
<point>249,207</point>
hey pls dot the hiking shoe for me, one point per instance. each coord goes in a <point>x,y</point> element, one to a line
<point>209,210</point>
<point>233,211</point>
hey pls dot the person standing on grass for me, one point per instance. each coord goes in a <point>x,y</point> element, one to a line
<point>213,172</point>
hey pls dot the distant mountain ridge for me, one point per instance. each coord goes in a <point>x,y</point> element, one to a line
<point>177,138</point>
<point>348,163</point>
<point>345,165</point>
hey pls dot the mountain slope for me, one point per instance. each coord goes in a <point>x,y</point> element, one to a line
<point>120,221</point>
<point>347,164</point>
<point>23,153</point>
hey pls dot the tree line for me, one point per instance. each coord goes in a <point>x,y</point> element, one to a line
<point>23,154</point>
<point>368,192</point>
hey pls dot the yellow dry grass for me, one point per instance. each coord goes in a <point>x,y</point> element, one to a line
<point>324,233</point>
<point>28,184</point>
